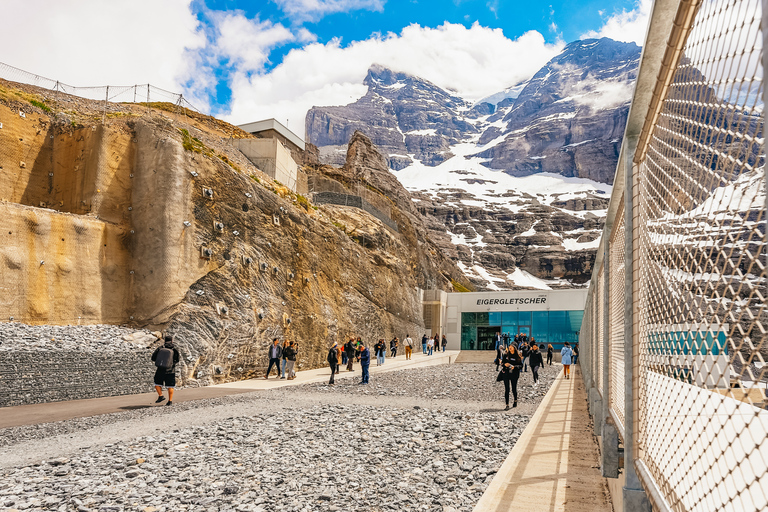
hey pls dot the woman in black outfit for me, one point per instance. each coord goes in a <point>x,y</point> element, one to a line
<point>550,350</point>
<point>511,363</point>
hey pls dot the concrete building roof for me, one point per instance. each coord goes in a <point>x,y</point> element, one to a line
<point>273,124</point>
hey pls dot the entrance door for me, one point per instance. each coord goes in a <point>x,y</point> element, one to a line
<point>525,329</point>
<point>486,337</point>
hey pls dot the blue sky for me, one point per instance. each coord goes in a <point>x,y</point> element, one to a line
<point>248,60</point>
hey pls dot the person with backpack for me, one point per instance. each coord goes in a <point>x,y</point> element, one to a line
<point>349,350</point>
<point>380,349</point>
<point>289,353</point>
<point>275,354</point>
<point>536,362</point>
<point>393,346</point>
<point>566,354</point>
<point>165,358</point>
<point>365,361</point>
<point>333,360</point>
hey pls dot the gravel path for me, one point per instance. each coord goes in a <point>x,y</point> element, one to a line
<point>397,444</point>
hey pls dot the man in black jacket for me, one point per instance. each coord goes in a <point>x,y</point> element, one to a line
<point>165,359</point>
<point>275,354</point>
<point>349,349</point>
<point>333,360</point>
<point>536,362</point>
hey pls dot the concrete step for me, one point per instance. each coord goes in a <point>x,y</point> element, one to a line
<point>476,356</point>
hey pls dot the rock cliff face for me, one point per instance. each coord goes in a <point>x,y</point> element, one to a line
<point>514,187</point>
<point>156,221</point>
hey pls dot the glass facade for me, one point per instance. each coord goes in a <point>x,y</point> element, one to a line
<point>556,327</point>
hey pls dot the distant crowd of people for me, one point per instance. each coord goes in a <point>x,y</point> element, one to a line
<point>520,352</point>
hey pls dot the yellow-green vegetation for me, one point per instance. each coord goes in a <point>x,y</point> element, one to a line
<point>303,201</point>
<point>254,178</point>
<point>41,105</point>
<point>191,143</point>
<point>457,286</point>
<point>340,226</point>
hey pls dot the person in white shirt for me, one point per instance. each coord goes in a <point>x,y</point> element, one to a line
<point>408,342</point>
<point>430,346</point>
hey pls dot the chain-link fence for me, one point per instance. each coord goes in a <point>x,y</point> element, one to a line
<point>685,380</point>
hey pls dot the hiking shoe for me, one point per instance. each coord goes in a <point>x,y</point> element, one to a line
<point>159,399</point>
<point>506,408</point>
<point>169,403</point>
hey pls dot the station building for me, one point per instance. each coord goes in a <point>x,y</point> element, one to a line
<point>471,320</point>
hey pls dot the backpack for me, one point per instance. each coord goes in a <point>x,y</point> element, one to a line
<point>332,356</point>
<point>164,358</point>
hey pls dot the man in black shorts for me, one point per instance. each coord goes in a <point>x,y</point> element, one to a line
<point>165,358</point>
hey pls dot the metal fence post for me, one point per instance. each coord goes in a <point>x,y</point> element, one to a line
<point>635,499</point>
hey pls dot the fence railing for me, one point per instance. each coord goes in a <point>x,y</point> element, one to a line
<point>675,333</point>
<point>139,93</point>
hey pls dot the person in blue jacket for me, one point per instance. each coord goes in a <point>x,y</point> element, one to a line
<point>566,353</point>
<point>365,361</point>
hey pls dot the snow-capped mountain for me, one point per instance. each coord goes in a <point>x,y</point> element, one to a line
<point>515,186</point>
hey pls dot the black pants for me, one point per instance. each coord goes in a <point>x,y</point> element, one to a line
<point>394,352</point>
<point>511,380</point>
<point>334,371</point>
<point>276,362</point>
<point>549,359</point>
<point>535,370</point>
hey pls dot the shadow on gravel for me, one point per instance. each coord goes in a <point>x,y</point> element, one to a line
<point>134,407</point>
<point>493,409</point>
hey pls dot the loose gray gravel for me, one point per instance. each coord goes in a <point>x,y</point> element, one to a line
<point>423,439</point>
<point>19,337</point>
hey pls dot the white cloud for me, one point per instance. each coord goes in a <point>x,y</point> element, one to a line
<point>244,42</point>
<point>475,62</point>
<point>627,26</point>
<point>93,42</point>
<point>600,95</point>
<point>305,10</point>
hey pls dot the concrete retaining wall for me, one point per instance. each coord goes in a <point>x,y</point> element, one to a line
<point>46,376</point>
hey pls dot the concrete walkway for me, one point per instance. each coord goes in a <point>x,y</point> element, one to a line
<point>554,466</point>
<point>60,411</point>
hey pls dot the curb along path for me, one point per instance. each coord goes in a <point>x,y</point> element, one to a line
<point>60,411</point>
<point>554,466</point>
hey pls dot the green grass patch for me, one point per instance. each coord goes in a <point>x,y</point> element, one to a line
<point>41,105</point>
<point>340,226</point>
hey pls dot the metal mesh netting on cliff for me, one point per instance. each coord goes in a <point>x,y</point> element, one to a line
<point>143,93</point>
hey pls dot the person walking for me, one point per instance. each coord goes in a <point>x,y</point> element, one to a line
<point>497,341</point>
<point>165,358</point>
<point>282,373</point>
<point>343,351</point>
<point>575,353</point>
<point>499,355</point>
<point>430,346</point>
<point>365,361</point>
<point>424,341</point>
<point>444,342</point>
<point>408,343</point>
<point>566,355</point>
<point>349,350</point>
<point>380,350</point>
<point>536,362</point>
<point>525,351</point>
<point>333,361</point>
<point>275,355</point>
<point>511,363</point>
<point>289,353</point>
<point>550,351</point>
<point>393,346</point>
